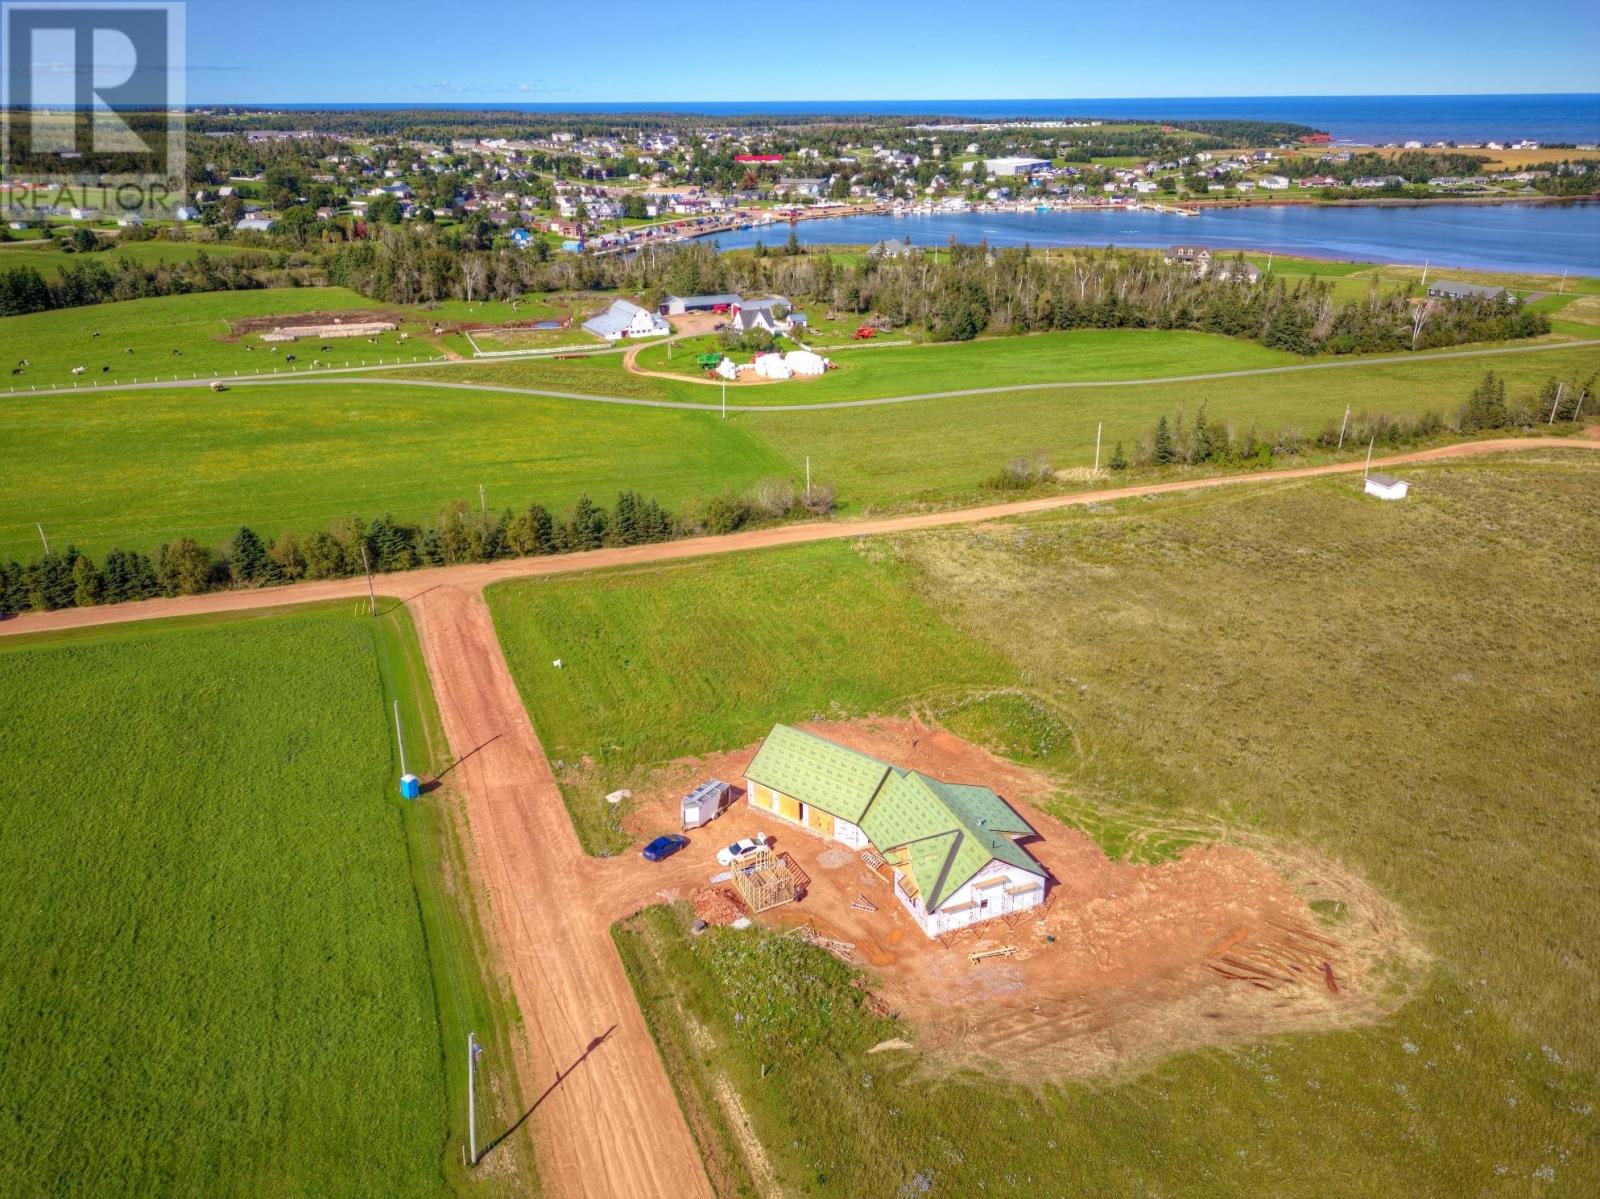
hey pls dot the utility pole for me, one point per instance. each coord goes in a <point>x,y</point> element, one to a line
<point>473,1050</point>
<point>1368,467</point>
<point>808,476</point>
<point>43,538</point>
<point>400,737</point>
<point>1342,425</point>
<point>483,504</point>
<point>372,595</point>
<point>1562,289</point>
<point>1097,431</point>
<point>1425,276</point>
<point>1560,387</point>
<point>724,399</point>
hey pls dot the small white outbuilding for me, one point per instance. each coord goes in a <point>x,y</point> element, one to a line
<point>1387,487</point>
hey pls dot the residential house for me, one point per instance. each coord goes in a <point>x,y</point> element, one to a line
<point>1198,257</point>
<point>952,848</point>
<point>758,314</point>
<point>1449,289</point>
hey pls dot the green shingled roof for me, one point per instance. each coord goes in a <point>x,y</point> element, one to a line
<point>950,832</point>
<point>818,772</point>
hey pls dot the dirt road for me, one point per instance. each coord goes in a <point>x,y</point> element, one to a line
<point>411,584</point>
<point>607,1122</point>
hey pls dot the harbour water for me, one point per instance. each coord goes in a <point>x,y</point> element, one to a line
<point>1370,120</point>
<point>1545,238</point>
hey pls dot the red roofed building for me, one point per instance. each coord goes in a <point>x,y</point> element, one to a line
<point>758,158</point>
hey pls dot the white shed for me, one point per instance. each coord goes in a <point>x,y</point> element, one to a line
<point>1387,487</point>
<point>705,803</point>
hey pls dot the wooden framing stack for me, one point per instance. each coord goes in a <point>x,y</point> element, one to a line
<point>762,880</point>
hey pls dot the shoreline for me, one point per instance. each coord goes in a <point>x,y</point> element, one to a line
<point>781,223</point>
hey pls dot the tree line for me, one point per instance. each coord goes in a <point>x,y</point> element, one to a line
<point>1182,440</point>
<point>459,534</point>
<point>85,281</point>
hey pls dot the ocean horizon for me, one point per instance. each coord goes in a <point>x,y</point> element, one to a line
<point>1546,117</point>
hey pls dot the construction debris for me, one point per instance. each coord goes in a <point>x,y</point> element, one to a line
<point>979,955</point>
<point>716,905</point>
<point>862,904</point>
<point>808,932</point>
<point>1284,954</point>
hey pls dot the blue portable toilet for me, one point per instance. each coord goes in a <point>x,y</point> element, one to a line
<point>410,786</point>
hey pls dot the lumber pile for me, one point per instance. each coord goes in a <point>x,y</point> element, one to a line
<point>809,933</point>
<point>979,955</point>
<point>862,904</point>
<point>1281,955</point>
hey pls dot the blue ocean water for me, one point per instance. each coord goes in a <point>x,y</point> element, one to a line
<point>1547,238</point>
<point>1554,117</point>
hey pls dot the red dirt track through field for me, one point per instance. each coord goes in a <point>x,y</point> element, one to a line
<point>414,583</point>
<point>606,1122</point>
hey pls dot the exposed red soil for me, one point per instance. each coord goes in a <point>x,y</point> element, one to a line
<point>244,326</point>
<point>1125,964</point>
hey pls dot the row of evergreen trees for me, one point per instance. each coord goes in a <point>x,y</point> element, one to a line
<point>459,534</point>
<point>83,280</point>
<point>1178,441</point>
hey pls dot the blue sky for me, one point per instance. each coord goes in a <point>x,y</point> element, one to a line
<point>482,51</point>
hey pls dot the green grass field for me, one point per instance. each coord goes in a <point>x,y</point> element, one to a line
<point>48,262</point>
<point>908,370</point>
<point>941,450</point>
<point>197,325</point>
<point>1404,687</point>
<point>138,468</point>
<point>236,963</point>
<point>645,677</point>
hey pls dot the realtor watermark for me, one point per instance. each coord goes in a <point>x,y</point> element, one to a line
<point>93,106</point>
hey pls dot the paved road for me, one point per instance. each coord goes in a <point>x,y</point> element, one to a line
<point>411,584</point>
<point>363,374</point>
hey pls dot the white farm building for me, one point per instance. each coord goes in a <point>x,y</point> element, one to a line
<point>951,847</point>
<point>624,320</point>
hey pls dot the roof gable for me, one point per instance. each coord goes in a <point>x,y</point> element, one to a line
<point>818,772</point>
<point>950,830</point>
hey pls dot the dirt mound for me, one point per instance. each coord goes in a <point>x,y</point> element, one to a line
<point>245,326</point>
<point>1124,965</point>
<point>717,905</point>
